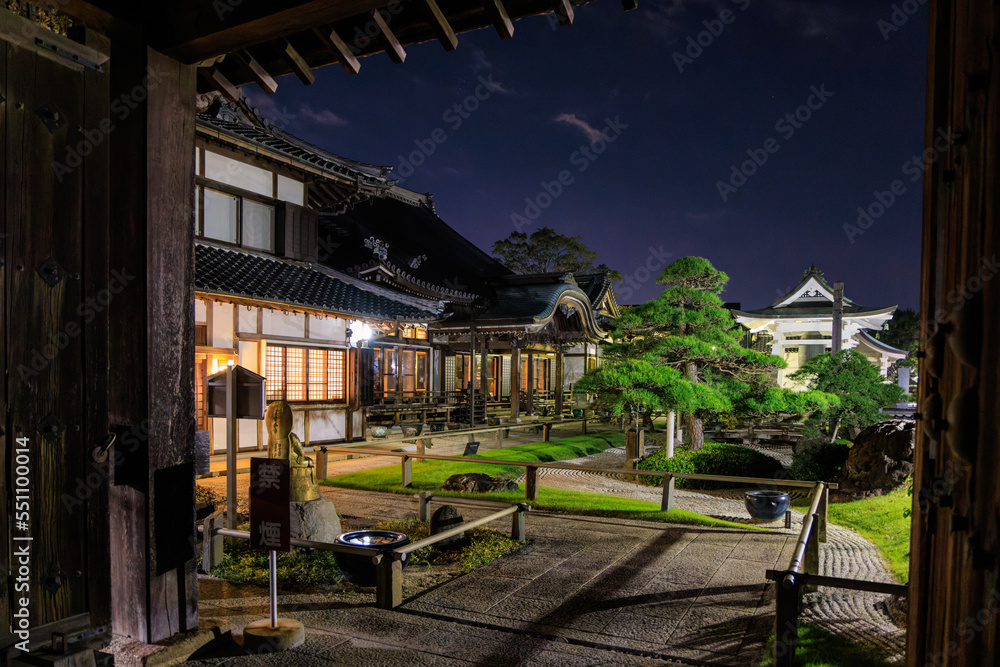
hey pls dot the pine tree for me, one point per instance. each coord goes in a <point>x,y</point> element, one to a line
<point>862,390</point>
<point>687,329</point>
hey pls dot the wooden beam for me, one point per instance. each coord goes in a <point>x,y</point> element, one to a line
<point>564,11</point>
<point>219,82</point>
<point>498,15</point>
<point>298,64</point>
<point>195,30</point>
<point>393,47</point>
<point>259,74</point>
<point>441,27</point>
<point>339,48</point>
<point>629,5</point>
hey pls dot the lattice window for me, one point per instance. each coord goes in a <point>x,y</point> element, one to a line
<point>295,374</point>
<point>274,373</point>
<point>449,373</point>
<point>317,375</point>
<point>301,374</point>
<point>336,388</point>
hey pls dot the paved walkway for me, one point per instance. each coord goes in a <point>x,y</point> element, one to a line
<point>587,591</point>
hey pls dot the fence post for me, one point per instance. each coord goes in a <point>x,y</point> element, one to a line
<point>321,463</point>
<point>388,581</point>
<point>407,463</point>
<point>583,426</point>
<point>424,512</point>
<point>667,503</point>
<point>786,620</point>
<point>517,529</point>
<point>822,513</point>
<point>812,553</point>
<point>545,432</point>
<point>531,483</point>
<point>213,546</point>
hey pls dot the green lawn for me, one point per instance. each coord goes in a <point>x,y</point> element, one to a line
<point>881,520</point>
<point>430,475</point>
<point>819,648</point>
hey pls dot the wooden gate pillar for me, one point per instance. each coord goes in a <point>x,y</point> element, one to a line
<point>154,580</point>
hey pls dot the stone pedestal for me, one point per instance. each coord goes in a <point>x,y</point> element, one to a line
<point>315,520</point>
<point>260,637</point>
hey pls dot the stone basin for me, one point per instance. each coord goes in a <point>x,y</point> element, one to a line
<point>767,505</point>
<point>358,569</point>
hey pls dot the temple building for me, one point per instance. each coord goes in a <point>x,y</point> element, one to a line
<point>357,303</point>
<point>799,326</point>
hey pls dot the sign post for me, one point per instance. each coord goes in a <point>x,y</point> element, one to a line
<point>270,530</point>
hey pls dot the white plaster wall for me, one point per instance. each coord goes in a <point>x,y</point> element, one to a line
<point>299,423</point>
<point>279,324</point>
<point>247,320</point>
<point>331,329</point>
<point>222,325</point>
<point>247,433</point>
<point>326,425</point>
<point>572,369</point>
<point>356,426</point>
<point>200,311</point>
<point>249,356</point>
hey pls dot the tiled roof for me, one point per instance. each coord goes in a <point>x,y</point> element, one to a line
<point>239,273</point>
<point>234,120</point>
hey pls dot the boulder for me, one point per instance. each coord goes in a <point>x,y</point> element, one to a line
<point>445,518</point>
<point>476,482</point>
<point>315,520</point>
<point>880,460</point>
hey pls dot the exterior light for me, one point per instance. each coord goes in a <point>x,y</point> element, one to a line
<point>358,333</point>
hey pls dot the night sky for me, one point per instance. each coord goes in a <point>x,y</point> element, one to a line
<point>680,117</point>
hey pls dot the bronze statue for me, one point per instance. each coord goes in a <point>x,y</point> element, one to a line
<point>283,444</point>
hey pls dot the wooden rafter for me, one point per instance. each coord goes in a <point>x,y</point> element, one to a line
<point>298,64</point>
<point>259,74</point>
<point>338,47</point>
<point>219,82</point>
<point>564,11</point>
<point>393,47</point>
<point>498,15</point>
<point>441,27</point>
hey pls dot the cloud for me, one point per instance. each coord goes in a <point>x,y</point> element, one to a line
<point>266,107</point>
<point>479,61</point>
<point>810,18</point>
<point>323,117</point>
<point>591,132</point>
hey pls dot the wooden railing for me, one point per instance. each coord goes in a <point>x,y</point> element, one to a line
<point>388,562</point>
<point>803,576</point>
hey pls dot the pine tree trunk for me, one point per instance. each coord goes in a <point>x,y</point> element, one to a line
<point>833,431</point>
<point>696,432</point>
<point>695,427</point>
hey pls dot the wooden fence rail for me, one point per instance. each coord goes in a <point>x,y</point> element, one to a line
<point>803,576</point>
<point>388,563</point>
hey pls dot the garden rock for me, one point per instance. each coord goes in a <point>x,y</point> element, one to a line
<point>476,482</point>
<point>315,520</point>
<point>880,460</point>
<point>445,518</point>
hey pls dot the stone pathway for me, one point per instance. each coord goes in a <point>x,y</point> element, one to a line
<point>857,615</point>
<point>669,592</point>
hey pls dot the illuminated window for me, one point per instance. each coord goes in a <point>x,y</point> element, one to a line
<point>305,374</point>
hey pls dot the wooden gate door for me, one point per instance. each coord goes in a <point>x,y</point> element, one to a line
<point>54,291</point>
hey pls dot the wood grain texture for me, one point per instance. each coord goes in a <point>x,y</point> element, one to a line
<point>44,220</point>
<point>7,437</point>
<point>955,544</point>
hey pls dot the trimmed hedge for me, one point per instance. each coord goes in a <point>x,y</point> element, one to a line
<point>822,462</point>
<point>713,459</point>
